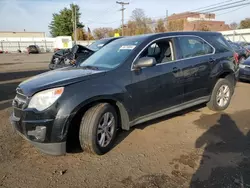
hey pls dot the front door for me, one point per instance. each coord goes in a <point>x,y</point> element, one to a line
<point>156,88</point>
<point>196,60</point>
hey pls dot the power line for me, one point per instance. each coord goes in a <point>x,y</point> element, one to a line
<point>229,7</point>
<point>236,2</point>
<point>104,12</point>
<point>210,5</point>
<point>232,10</point>
<point>214,9</point>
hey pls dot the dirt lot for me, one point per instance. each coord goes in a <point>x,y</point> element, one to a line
<point>194,148</point>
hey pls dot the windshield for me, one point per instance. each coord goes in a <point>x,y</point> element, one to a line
<point>112,55</point>
<point>97,45</point>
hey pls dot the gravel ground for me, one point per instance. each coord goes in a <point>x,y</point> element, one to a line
<point>192,148</point>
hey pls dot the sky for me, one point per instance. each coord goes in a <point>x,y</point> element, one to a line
<point>35,15</point>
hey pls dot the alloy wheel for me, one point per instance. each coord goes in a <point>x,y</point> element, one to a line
<point>106,128</point>
<point>223,95</point>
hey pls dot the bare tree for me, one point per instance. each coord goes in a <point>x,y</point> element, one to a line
<point>103,32</point>
<point>140,21</point>
<point>234,25</point>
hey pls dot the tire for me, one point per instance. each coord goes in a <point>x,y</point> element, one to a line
<point>90,140</point>
<point>213,103</point>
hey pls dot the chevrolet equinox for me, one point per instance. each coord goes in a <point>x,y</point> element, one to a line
<point>129,81</point>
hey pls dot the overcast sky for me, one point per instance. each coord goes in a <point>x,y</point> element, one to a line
<point>35,15</point>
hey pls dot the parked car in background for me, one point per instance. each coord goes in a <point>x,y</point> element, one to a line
<point>245,70</point>
<point>130,81</point>
<point>77,54</point>
<point>33,49</point>
<point>242,43</point>
<point>242,52</point>
<point>245,45</point>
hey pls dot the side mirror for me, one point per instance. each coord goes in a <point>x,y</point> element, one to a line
<point>145,62</point>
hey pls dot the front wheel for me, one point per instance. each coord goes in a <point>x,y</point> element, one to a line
<point>98,129</point>
<point>221,95</point>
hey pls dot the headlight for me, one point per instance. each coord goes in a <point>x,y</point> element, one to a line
<point>45,99</point>
<point>242,66</point>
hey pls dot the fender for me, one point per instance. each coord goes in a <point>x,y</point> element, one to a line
<point>222,68</point>
<point>96,93</point>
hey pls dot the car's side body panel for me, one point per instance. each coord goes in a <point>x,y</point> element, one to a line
<point>139,95</point>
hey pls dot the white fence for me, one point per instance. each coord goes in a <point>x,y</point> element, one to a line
<point>45,44</point>
<point>14,46</point>
<point>237,35</point>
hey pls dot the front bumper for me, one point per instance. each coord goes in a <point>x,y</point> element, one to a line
<point>37,132</point>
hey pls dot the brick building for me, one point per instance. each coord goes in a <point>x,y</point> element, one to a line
<point>192,21</point>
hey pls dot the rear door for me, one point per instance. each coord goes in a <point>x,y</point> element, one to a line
<point>196,61</point>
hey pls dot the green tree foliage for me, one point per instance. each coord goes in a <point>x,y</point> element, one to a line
<point>62,22</point>
<point>81,34</point>
<point>244,24</point>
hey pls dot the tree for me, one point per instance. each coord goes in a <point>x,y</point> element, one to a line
<point>176,25</point>
<point>81,34</point>
<point>234,25</point>
<point>160,27</point>
<point>244,24</point>
<point>139,23</point>
<point>62,22</point>
<point>103,32</point>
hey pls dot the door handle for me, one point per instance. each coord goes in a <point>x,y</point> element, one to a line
<point>175,70</point>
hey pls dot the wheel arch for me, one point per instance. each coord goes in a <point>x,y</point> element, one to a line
<point>122,113</point>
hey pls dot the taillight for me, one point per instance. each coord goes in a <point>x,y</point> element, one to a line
<point>236,58</point>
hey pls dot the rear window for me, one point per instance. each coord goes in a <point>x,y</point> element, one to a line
<point>220,44</point>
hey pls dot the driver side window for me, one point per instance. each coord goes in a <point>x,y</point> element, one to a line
<point>161,50</point>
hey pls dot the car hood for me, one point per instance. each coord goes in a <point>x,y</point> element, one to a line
<point>57,78</point>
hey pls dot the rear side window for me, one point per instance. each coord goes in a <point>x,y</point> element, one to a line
<point>220,44</point>
<point>194,46</point>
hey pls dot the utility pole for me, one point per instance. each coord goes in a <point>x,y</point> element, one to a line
<point>74,22</point>
<point>167,19</point>
<point>75,27</point>
<point>122,9</point>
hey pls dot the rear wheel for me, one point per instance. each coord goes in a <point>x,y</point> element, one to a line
<point>221,95</point>
<point>98,129</point>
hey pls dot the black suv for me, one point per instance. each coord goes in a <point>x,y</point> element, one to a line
<point>127,82</point>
